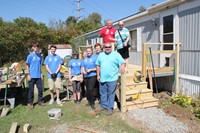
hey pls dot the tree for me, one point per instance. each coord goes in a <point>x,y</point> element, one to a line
<point>71,21</point>
<point>142,9</point>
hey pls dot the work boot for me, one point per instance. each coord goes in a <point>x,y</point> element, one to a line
<point>30,105</point>
<point>110,112</point>
<point>41,103</point>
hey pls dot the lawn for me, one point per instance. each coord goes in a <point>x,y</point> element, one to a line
<point>72,115</point>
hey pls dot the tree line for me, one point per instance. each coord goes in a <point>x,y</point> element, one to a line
<point>16,37</point>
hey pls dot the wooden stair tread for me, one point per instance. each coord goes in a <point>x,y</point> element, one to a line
<point>135,84</point>
<point>143,100</point>
<point>135,91</point>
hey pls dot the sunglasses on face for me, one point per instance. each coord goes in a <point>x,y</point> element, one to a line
<point>107,47</point>
<point>121,25</point>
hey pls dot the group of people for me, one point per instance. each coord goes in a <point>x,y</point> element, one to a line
<point>99,72</point>
<point>53,64</point>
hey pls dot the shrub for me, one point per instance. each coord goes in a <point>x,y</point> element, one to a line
<point>196,108</point>
<point>182,100</point>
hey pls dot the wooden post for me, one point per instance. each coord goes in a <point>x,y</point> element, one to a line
<point>144,60</point>
<point>177,90</point>
<point>123,92</point>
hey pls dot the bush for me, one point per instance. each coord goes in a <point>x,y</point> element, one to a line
<point>182,100</point>
<point>196,108</point>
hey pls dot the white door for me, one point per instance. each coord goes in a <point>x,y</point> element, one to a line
<point>169,32</point>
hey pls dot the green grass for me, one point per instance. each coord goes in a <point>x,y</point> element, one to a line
<point>72,115</point>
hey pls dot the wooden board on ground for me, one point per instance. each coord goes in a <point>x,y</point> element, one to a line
<point>26,128</point>
<point>13,128</point>
<point>4,112</point>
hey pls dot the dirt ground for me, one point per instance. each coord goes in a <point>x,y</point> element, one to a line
<point>182,114</point>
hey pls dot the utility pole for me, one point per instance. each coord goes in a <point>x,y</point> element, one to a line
<point>79,9</point>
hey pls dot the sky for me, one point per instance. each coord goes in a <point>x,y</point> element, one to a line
<point>54,10</point>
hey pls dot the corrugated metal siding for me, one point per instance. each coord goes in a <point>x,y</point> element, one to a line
<point>190,40</point>
<point>189,87</point>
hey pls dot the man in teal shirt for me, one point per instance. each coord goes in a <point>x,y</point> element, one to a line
<point>109,63</point>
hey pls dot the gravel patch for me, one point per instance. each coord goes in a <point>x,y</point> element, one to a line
<point>63,128</point>
<point>158,121</point>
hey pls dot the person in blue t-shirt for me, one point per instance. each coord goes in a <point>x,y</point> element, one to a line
<point>75,75</point>
<point>108,65</point>
<point>90,76</point>
<point>97,52</point>
<point>53,65</point>
<point>33,66</point>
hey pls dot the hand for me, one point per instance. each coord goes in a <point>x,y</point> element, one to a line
<point>98,78</point>
<point>42,77</point>
<point>88,71</point>
<point>70,80</point>
<point>54,76</point>
<point>125,44</point>
<point>29,77</point>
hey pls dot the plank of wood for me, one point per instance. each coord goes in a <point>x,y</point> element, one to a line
<point>26,128</point>
<point>4,112</point>
<point>85,129</point>
<point>13,128</point>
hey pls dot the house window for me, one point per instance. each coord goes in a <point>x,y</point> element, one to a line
<point>133,35</point>
<point>168,32</point>
<point>89,42</point>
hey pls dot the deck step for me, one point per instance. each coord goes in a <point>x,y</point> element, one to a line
<point>142,103</point>
<point>142,92</point>
<point>135,86</point>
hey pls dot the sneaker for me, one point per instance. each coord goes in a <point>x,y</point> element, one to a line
<point>58,101</point>
<point>41,103</point>
<point>51,101</point>
<point>93,107</point>
<point>78,101</point>
<point>30,105</point>
<point>110,112</point>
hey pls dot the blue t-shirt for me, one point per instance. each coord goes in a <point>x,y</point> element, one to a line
<point>96,56</point>
<point>89,63</point>
<point>109,66</point>
<point>34,61</point>
<point>75,65</point>
<point>125,34</point>
<point>53,62</point>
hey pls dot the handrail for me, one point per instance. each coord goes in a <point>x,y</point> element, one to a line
<point>176,51</point>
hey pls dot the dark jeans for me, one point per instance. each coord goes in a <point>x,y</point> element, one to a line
<point>38,83</point>
<point>90,84</point>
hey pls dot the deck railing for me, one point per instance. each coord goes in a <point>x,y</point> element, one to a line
<point>176,51</point>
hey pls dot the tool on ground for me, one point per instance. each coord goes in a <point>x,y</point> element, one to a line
<point>149,69</point>
<point>135,96</point>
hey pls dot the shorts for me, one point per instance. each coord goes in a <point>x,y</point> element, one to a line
<point>124,52</point>
<point>77,77</point>
<point>54,83</point>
